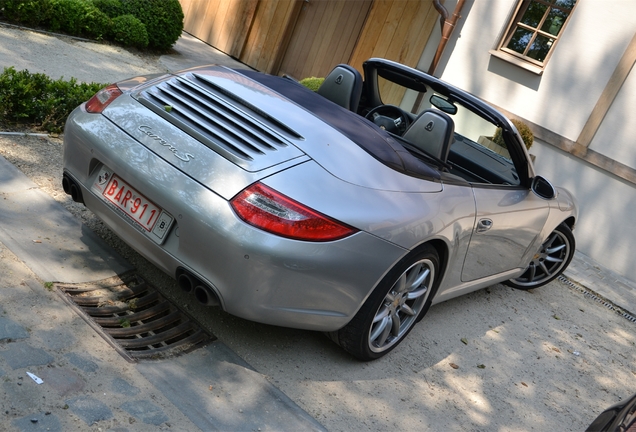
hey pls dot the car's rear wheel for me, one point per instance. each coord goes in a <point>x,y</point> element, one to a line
<point>547,264</point>
<point>395,306</point>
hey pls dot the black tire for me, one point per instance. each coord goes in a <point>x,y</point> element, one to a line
<point>389,314</point>
<point>553,258</point>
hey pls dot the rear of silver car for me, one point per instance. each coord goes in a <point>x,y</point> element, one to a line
<point>167,192</point>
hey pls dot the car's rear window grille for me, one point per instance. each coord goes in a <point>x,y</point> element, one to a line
<point>238,131</point>
<point>224,94</point>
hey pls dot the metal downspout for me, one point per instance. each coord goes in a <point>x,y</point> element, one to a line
<point>447,27</point>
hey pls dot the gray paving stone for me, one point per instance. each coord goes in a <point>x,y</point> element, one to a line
<point>21,355</point>
<point>145,411</point>
<point>63,381</point>
<point>42,422</point>
<point>89,409</point>
<point>2,373</point>
<point>10,329</point>
<point>122,386</point>
<point>254,402</point>
<point>56,339</point>
<point>69,251</point>
<point>83,362</point>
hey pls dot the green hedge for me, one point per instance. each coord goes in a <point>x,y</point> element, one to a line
<point>524,130</point>
<point>312,83</point>
<point>128,30</point>
<point>163,20</point>
<point>157,24</point>
<point>77,17</point>
<point>35,100</point>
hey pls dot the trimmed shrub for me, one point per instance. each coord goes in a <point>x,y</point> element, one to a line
<point>524,130</point>
<point>20,95</point>
<point>28,12</point>
<point>312,83</point>
<point>163,20</point>
<point>37,100</point>
<point>62,97</point>
<point>112,8</point>
<point>78,17</point>
<point>129,31</point>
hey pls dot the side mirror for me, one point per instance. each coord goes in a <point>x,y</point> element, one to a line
<point>543,188</point>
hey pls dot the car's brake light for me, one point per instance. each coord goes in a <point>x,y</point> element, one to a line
<point>102,99</point>
<point>271,211</point>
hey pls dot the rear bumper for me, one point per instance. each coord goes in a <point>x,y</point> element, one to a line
<point>256,275</point>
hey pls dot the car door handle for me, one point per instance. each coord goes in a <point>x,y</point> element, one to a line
<point>484,225</point>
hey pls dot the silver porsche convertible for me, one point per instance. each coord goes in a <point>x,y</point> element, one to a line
<point>349,210</point>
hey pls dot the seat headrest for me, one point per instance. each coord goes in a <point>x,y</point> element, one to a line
<point>343,86</point>
<point>433,132</point>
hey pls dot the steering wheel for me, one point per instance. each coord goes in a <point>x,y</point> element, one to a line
<point>390,118</point>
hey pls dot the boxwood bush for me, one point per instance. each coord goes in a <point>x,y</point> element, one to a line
<point>163,20</point>
<point>103,19</point>
<point>112,8</point>
<point>28,12</point>
<point>129,31</point>
<point>35,100</point>
<point>312,83</point>
<point>77,17</point>
<point>524,130</point>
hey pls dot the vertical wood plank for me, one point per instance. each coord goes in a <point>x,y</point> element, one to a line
<point>325,35</point>
<point>244,22</point>
<point>370,32</point>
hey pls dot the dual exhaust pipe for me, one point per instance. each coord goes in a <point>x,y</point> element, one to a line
<point>193,285</point>
<point>71,188</point>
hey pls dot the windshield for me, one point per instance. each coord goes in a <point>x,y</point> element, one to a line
<point>478,153</point>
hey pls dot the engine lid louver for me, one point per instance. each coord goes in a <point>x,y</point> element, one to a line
<point>222,121</point>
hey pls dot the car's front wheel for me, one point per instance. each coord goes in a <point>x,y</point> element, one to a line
<point>394,307</point>
<point>547,264</point>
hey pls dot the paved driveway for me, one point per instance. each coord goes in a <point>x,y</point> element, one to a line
<point>497,359</point>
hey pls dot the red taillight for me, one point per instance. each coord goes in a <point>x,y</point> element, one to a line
<point>102,99</point>
<point>264,208</point>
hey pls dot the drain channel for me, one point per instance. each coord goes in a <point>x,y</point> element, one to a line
<point>135,318</point>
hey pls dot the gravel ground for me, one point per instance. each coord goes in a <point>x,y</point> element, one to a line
<point>494,360</point>
<point>497,359</point>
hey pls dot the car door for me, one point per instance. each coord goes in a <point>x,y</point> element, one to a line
<point>509,216</point>
<point>508,222</point>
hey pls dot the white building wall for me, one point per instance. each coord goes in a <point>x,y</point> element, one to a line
<point>605,229</point>
<point>561,100</point>
<point>616,138</point>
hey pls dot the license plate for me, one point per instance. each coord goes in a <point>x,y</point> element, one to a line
<point>133,204</point>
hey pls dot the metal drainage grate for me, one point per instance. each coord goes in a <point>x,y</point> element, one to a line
<point>597,298</point>
<point>134,318</point>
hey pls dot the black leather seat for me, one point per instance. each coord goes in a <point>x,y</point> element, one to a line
<point>343,86</point>
<point>433,132</point>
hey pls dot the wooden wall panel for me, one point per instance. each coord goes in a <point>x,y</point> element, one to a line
<point>303,38</point>
<point>324,35</point>
<point>223,24</point>
<point>396,30</point>
<point>266,39</point>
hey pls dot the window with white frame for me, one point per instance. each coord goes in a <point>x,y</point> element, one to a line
<point>533,32</point>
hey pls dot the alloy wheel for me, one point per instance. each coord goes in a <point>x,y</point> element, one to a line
<point>401,306</point>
